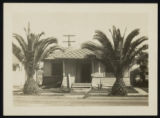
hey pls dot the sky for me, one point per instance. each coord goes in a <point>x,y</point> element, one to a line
<point>81,24</point>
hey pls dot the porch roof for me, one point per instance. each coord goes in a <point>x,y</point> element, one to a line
<point>70,53</point>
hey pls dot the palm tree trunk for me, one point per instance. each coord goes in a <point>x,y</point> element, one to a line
<point>119,87</point>
<point>31,87</point>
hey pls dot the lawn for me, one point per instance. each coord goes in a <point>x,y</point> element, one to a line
<point>55,90</point>
<point>93,91</point>
<point>108,90</point>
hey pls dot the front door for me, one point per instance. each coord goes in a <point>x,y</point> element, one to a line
<point>86,73</point>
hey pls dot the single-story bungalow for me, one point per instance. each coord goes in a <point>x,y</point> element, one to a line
<point>80,66</point>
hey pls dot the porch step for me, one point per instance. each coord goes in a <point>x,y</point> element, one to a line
<point>80,90</point>
<point>81,85</point>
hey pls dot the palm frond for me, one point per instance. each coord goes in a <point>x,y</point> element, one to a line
<point>137,42</point>
<point>134,45</point>
<point>31,39</point>
<point>129,39</point>
<point>103,39</point>
<point>17,52</point>
<point>43,43</point>
<point>96,49</point>
<point>114,37</point>
<point>117,38</point>
<point>134,54</point>
<point>42,46</point>
<point>124,32</point>
<point>21,42</point>
<point>37,38</point>
<point>27,30</point>
<point>131,59</point>
<point>102,54</point>
<point>91,46</point>
<point>49,50</point>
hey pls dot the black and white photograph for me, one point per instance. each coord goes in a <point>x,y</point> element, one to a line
<point>80,59</point>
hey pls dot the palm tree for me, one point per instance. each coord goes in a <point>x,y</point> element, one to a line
<point>30,53</point>
<point>117,56</point>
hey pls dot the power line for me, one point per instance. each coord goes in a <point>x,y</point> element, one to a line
<point>69,41</point>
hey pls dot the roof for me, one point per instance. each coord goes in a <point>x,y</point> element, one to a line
<point>70,53</point>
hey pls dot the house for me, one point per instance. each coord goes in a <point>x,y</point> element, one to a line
<point>80,66</point>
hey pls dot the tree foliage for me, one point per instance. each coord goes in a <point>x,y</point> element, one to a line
<point>118,56</point>
<point>31,51</point>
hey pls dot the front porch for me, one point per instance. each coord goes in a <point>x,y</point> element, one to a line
<point>77,71</point>
<point>79,66</point>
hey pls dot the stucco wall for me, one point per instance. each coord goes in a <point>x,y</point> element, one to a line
<point>106,79</point>
<point>99,67</point>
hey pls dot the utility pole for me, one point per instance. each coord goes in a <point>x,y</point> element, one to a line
<point>69,41</point>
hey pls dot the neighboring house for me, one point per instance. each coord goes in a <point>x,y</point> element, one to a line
<point>79,67</point>
<point>18,72</point>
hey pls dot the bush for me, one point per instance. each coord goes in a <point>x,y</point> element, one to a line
<point>137,82</point>
<point>140,83</point>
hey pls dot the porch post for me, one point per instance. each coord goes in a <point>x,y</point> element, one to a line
<point>99,67</point>
<point>99,71</point>
<point>64,80</point>
<point>92,77</point>
<point>63,68</point>
<point>92,66</point>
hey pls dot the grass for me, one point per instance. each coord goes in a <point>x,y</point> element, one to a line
<point>103,91</point>
<point>56,90</point>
